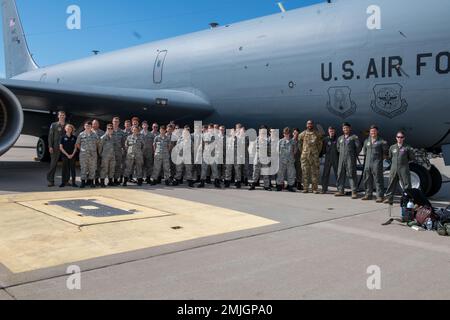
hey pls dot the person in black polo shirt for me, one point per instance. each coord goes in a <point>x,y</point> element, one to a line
<point>69,151</point>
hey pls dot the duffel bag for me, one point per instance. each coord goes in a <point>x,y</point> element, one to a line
<point>423,214</point>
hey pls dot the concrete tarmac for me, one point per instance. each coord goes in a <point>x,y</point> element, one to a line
<point>306,247</point>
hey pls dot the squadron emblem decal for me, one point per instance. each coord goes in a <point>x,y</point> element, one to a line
<point>388,100</point>
<point>340,102</point>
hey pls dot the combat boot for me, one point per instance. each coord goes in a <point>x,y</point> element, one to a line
<point>279,188</point>
<point>227,184</point>
<point>167,182</point>
<point>111,183</point>
<point>380,200</point>
<point>389,201</point>
<point>292,189</point>
<point>121,180</point>
<point>367,198</point>
<point>246,182</point>
<point>125,182</point>
<point>153,182</point>
<point>268,189</point>
<point>339,194</point>
<point>299,186</point>
<point>354,195</point>
<point>102,183</point>
<point>83,184</point>
<point>91,184</point>
<point>148,181</point>
<point>238,185</point>
<point>140,182</point>
<point>202,184</point>
<point>175,183</point>
<point>253,187</point>
<point>191,184</point>
<point>208,180</point>
<point>97,183</point>
<point>217,184</point>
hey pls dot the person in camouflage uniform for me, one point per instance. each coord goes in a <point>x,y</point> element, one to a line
<point>349,148</point>
<point>286,152</point>
<point>134,145</point>
<point>230,156</point>
<point>375,150</point>
<point>401,156</point>
<point>262,148</point>
<point>100,133</point>
<point>149,139</point>
<point>87,143</point>
<point>235,157</point>
<point>208,144</point>
<point>127,131</point>
<point>310,146</point>
<point>107,154</point>
<point>54,138</point>
<point>331,154</point>
<point>162,149</point>
<point>119,147</point>
<point>184,163</point>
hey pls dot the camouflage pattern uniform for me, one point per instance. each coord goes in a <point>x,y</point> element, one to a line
<point>257,165</point>
<point>185,169</point>
<point>119,143</point>
<point>331,160</point>
<point>233,143</point>
<point>400,157</point>
<point>162,157</point>
<point>375,152</point>
<point>126,133</point>
<point>135,158</point>
<point>287,162</point>
<point>208,142</point>
<point>54,139</point>
<point>107,154</point>
<point>310,145</point>
<point>88,154</point>
<point>349,149</point>
<point>149,139</point>
<point>100,133</point>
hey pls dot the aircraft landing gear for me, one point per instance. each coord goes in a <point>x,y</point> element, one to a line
<point>42,153</point>
<point>424,175</point>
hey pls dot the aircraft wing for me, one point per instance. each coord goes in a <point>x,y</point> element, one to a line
<point>98,101</point>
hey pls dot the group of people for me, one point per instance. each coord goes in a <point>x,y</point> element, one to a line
<point>145,154</point>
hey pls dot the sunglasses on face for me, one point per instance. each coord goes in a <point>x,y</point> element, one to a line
<point>400,137</point>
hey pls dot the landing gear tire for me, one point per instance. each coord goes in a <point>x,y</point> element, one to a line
<point>42,153</point>
<point>436,181</point>
<point>420,178</point>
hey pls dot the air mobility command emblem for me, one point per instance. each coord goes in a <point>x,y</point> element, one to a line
<point>388,100</point>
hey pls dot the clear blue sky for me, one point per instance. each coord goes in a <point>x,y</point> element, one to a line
<point>114,24</point>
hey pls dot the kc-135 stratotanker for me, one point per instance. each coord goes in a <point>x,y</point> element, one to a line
<point>323,62</point>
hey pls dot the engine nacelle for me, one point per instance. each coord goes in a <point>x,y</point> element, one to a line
<point>11,119</point>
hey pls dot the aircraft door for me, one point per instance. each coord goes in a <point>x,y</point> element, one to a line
<point>159,67</point>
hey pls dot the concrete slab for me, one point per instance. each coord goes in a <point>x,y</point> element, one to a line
<point>321,248</point>
<point>5,296</point>
<point>309,262</point>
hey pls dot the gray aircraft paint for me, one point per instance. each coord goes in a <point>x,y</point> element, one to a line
<point>269,70</point>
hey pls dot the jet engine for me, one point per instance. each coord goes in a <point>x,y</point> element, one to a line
<point>11,119</point>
